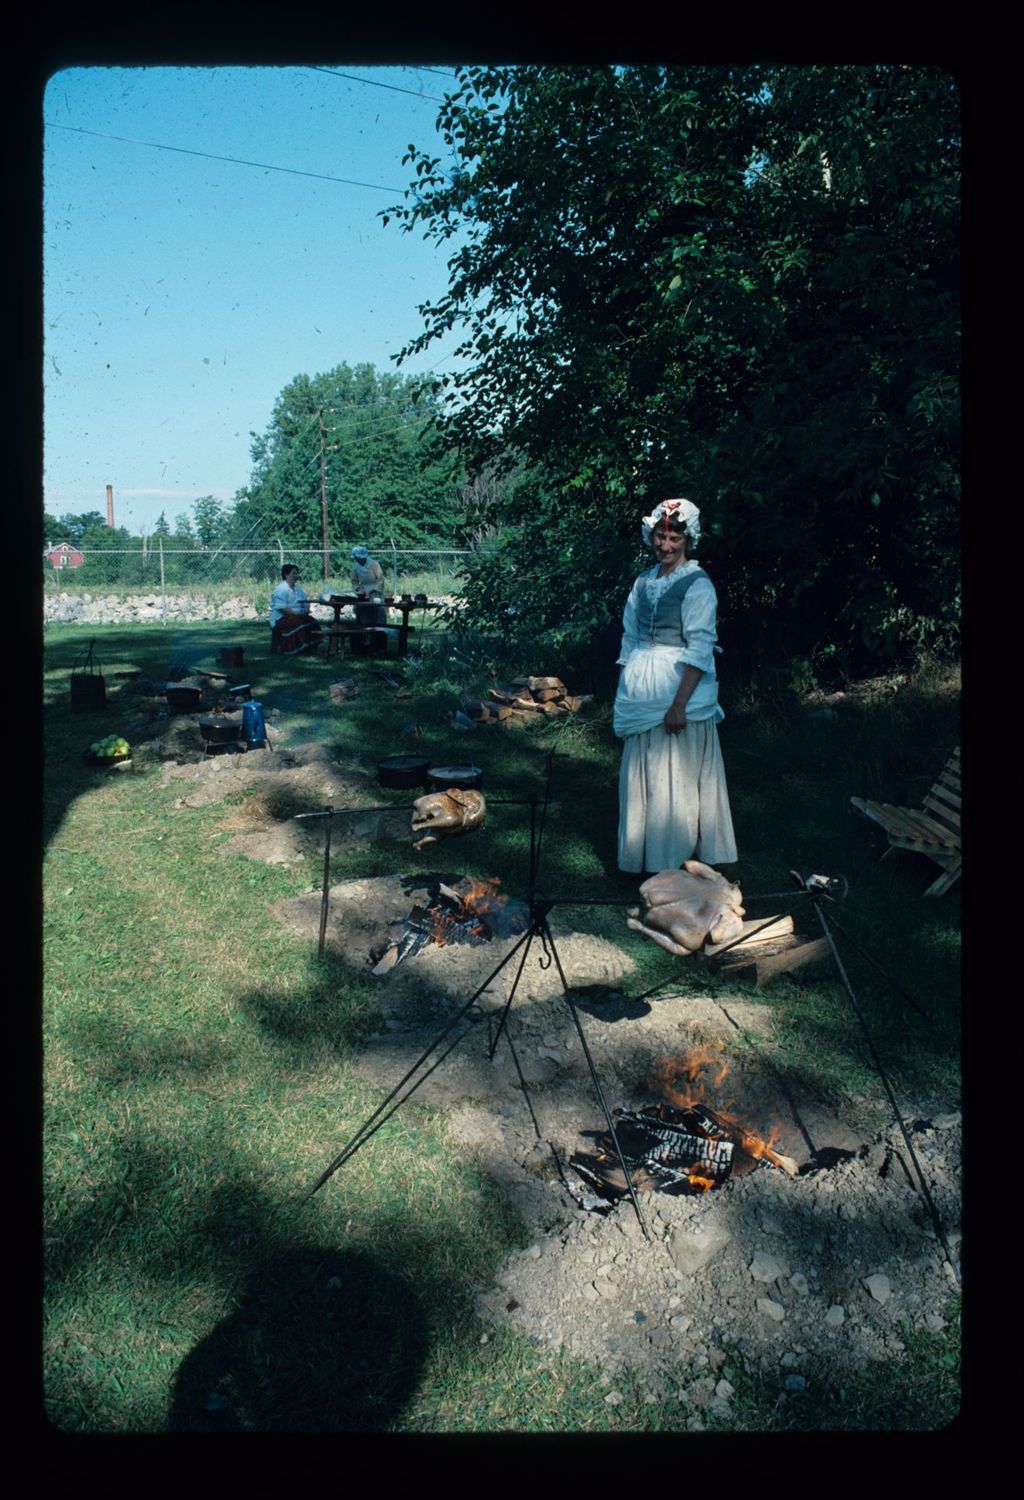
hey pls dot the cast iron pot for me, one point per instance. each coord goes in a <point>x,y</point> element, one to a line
<point>182,697</point>
<point>402,771</point>
<point>218,731</point>
<point>466,778</point>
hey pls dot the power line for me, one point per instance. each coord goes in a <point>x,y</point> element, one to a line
<point>378,85</point>
<point>237,160</point>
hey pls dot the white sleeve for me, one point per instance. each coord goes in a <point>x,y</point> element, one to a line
<point>630,627</point>
<point>699,617</point>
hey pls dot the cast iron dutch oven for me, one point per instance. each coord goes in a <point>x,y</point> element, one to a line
<point>402,771</point>
<point>443,778</point>
<point>218,731</point>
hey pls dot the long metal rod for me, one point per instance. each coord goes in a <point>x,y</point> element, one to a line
<point>548,936</point>
<point>936,1221</point>
<point>511,994</point>
<point>351,1145</point>
<point>888,977</point>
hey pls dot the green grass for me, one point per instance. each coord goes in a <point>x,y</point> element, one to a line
<point>198,1079</point>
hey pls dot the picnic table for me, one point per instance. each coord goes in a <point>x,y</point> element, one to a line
<point>337,632</point>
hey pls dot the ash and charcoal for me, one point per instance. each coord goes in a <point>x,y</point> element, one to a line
<point>473,912</point>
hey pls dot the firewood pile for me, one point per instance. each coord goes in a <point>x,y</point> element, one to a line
<point>525,696</point>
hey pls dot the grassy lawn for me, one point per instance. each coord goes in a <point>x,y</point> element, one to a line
<point>197,1059</point>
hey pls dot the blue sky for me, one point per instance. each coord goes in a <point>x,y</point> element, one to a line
<point>181,293</point>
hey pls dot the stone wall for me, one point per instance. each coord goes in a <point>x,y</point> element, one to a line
<point>145,609</point>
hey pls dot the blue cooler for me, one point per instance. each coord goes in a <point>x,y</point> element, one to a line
<point>254,731</point>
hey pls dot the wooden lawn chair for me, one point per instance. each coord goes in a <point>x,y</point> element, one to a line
<point>933,829</point>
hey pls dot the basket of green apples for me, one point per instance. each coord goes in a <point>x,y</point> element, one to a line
<point>109,752</point>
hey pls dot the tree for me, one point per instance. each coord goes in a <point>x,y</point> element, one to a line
<point>385,475</point>
<point>736,284</point>
<point>183,526</point>
<point>210,518</point>
<point>161,527</point>
<point>89,524</point>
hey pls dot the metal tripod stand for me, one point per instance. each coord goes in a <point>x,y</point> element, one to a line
<point>538,927</point>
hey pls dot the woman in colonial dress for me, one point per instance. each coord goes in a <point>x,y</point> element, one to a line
<point>673,802</point>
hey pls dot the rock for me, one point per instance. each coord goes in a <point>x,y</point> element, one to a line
<point>773,1310</point>
<point>613,1398</point>
<point>946,1122</point>
<point>716,1358</point>
<point>681,1323</point>
<point>692,1252</point>
<point>768,1222</point>
<point>799,1284</point>
<point>835,1316</point>
<point>795,1383</point>
<point>766,1268</point>
<point>720,1409</point>
<point>606,1289</point>
<point>702,1390</point>
<point>934,1322</point>
<point>725,1390</point>
<point>879,1287</point>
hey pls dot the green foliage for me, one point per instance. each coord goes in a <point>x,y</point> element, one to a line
<point>737,284</point>
<point>385,474</point>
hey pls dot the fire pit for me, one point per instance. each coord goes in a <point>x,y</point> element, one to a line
<point>682,1147</point>
<point>474,913</point>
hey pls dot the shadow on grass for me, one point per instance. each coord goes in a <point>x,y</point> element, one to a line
<point>321,1341</point>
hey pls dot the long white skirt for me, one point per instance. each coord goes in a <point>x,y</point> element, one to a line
<point>673,802</point>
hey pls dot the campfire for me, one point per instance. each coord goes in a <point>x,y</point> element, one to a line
<point>682,1144</point>
<point>476,913</point>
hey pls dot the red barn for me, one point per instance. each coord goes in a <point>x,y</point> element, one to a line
<point>65,556</point>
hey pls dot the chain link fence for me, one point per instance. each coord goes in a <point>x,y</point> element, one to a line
<point>163,573</point>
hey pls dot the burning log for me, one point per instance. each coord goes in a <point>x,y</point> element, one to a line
<point>473,916</point>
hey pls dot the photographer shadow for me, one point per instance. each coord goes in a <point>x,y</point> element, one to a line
<point>321,1341</point>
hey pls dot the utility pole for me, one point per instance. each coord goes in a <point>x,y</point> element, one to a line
<point>324,450</point>
<point>110,505</point>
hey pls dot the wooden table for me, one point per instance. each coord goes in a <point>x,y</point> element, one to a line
<point>404,603</point>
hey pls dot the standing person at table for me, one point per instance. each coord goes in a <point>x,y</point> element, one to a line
<point>291,624</point>
<point>367,575</point>
<point>673,801</point>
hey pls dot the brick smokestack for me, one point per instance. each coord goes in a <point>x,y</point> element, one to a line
<point>110,505</point>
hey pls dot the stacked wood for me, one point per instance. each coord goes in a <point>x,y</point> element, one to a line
<point>764,951</point>
<point>526,695</point>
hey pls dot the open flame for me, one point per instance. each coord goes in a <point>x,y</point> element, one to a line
<point>693,1079</point>
<point>482,900</point>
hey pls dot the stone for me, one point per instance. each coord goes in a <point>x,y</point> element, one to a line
<point>947,1121</point>
<point>589,1293</point>
<point>835,1316</point>
<point>799,1284</point>
<point>607,1289</point>
<point>768,1222</point>
<point>879,1287</point>
<point>773,1310</point>
<point>716,1358</point>
<point>934,1322</point>
<point>725,1390</point>
<point>795,1383</point>
<point>692,1252</point>
<point>681,1323</point>
<point>613,1398</point>
<point>767,1268</point>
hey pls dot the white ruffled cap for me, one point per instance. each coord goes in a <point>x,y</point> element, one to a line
<point>683,511</point>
